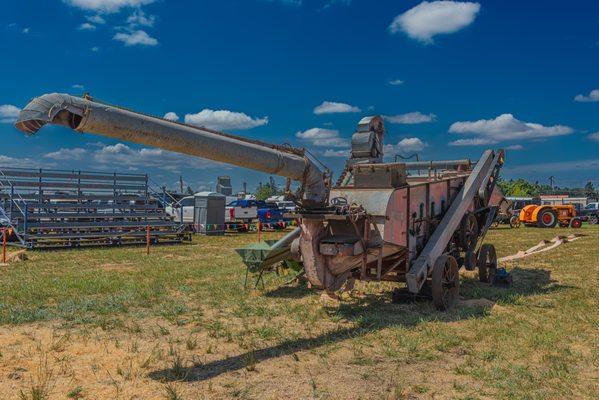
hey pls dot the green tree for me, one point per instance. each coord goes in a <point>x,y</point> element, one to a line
<point>264,191</point>
<point>189,191</point>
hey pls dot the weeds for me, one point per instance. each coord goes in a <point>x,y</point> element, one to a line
<point>171,392</point>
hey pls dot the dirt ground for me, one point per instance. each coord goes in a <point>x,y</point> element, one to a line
<point>184,340</point>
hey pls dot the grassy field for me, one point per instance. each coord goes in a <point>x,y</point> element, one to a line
<point>177,324</point>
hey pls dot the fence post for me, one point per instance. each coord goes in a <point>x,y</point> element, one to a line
<point>148,239</point>
<point>4,245</point>
<point>258,231</point>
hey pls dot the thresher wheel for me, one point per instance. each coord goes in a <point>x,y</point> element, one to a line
<point>575,223</point>
<point>487,263</point>
<point>515,222</point>
<point>468,232</point>
<point>470,259</point>
<point>445,283</point>
<point>547,218</point>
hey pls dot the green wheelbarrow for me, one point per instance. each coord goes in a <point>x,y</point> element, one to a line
<point>258,257</point>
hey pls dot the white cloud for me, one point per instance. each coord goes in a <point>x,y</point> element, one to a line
<point>396,82</point>
<point>78,87</point>
<point>515,147</point>
<point>21,162</point>
<point>224,119</point>
<point>321,137</point>
<point>25,30</point>
<point>106,6</point>
<point>331,107</point>
<point>428,19</point>
<point>139,18</point>
<point>336,153</point>
<point>67,154</point>
<point>171,116</point>
<point>121,154</point>
<point>95,19</point>
<point>95,49</point>
<point>86,26</point>
<point>136,38</point>
<point>594,137</point>
<point>406,145</point>
<point>504,127</point>
<point>592,97</point>
<point>9,113</point>
<point>410,118</point>
<point>472,142</point>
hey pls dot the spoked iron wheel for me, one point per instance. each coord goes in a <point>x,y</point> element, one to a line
<point>445,283</point>
<point>468,232</point>
<point>487,263</point>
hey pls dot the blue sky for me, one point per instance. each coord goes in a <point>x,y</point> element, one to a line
<point>451,78</point>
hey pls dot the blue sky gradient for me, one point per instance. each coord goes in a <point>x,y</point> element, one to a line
<point>282,59</point>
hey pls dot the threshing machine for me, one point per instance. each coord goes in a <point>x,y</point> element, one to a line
<point>417,222</point>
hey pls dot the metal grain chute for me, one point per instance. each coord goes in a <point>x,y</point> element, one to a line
<point>85,115</point>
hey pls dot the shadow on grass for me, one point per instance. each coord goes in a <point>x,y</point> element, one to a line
<point>527,282</point>
<point>372,313</point>
<point>290,291</point>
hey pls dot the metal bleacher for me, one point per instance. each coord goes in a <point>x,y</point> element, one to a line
<point>52,208</point>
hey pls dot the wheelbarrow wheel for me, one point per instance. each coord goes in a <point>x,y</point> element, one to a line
<point>445,282</point>
<point>487,263</point>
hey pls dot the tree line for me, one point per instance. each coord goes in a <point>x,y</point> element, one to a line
<point>523,188</point>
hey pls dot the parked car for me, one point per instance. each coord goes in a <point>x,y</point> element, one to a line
<point>249,210</point>
<point>241,211</point>
<point>183,208</point>
<point>590,213</point>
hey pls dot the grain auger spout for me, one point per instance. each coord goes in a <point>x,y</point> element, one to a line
<point>86,115</point>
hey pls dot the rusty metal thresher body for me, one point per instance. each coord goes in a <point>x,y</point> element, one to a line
<point>415,222</point>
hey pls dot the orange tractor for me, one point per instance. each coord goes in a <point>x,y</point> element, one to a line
<point>548,216</point>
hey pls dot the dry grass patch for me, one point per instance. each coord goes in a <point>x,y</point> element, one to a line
<point>115,323</point>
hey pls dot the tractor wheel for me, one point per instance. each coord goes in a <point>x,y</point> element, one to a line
<point>468,232</point>
<point>547,218</point>
<point>495,224</point>
<point>575,223</point>
<point>445,283</point>
<point>515,222</point>
<point>594,219</point>
<point>487,263</point>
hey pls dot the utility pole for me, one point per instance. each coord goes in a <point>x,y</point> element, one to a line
<point>181,183</point>
<point>551,179</point>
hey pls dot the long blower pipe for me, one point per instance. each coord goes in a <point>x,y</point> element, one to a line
<point>86,115</point>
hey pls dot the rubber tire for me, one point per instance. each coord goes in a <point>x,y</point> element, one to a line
<point>515,222</point>
<point>466,238</point>
<point>594,220</point>
<point>540,215</point>
<point>487,263</point>
<point>575,223</point>
<point>445,292</point>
